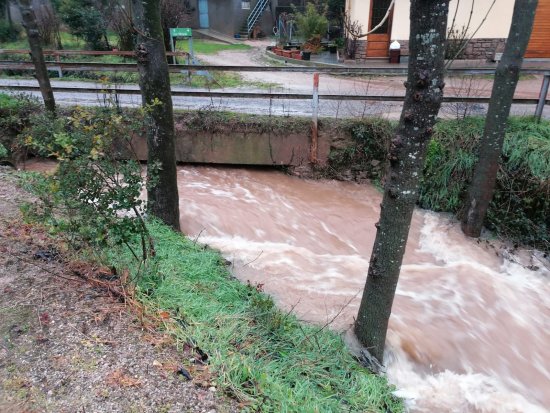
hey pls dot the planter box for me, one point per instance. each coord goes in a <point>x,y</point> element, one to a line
<point>297,55</point>
<point>287,53</point>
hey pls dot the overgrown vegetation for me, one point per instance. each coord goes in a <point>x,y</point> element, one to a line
<point>312,24</point>
<point>94,195</point>
<point>220,122</point>
<point>9,32</point>
<point>520,210</point>
<point>521,207</point>
<point>86,21</point>
<point>265,358</point>
<point>366,153</point>
<point>15,112</point>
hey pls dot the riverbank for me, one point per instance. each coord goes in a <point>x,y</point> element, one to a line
<point>67,344</point>
<point>355,150</point>
<point>227,336</point>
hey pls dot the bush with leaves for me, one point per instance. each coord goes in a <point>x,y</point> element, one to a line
<point>311,23</point>
<point>3,152</point>
<point>520,209</point>
<point>9,32</point>
<point>15,113</point>
<point>86,21</point>
<point>94,195</point>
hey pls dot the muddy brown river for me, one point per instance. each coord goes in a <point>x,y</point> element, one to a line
<point>470,327</point>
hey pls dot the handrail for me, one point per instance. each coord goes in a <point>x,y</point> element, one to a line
<point>255,15</point>
<point>259,95</point>
<point>85,52</point>
<point>132,67</point>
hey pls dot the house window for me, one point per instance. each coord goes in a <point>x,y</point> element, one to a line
<point>245,5</point>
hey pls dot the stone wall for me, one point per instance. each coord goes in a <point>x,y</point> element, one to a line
<point>477,49</point>
<point>483,49</point>
<point>361,50</point>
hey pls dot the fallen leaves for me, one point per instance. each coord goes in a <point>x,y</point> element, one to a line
<point>119,378</point>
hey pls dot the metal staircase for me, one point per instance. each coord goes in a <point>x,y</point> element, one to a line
<point>253,17</point>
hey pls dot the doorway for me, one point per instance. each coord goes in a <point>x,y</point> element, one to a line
<point>378,43</point>
<point>203,14</point>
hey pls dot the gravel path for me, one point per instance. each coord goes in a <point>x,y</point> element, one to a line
<point>67,346</point>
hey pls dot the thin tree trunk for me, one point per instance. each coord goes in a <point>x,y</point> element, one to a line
<point>8,14</point>
<point>408,148</point>
<point>506,79</point>
<point>33,36</point>
<point>163,200</point>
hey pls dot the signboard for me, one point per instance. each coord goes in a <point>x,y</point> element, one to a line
<point>181,32</point>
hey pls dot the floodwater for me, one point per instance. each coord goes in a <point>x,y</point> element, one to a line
<point>470,329</point>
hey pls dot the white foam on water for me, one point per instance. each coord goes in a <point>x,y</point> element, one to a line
<point>470,330</point>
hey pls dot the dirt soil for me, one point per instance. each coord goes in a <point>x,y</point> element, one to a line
<point>67,345</point>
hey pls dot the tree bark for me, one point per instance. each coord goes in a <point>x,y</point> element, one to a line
<point>506,78</point>
<point>163,200</point>
<point>424,93</point>
<point>33,36</point>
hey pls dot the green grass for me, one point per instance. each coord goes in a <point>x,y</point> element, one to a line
<point>201,46</point>
<point>262,356</point>
<point>520,209</point>
<point>68,41</point>
<point>221,79</point>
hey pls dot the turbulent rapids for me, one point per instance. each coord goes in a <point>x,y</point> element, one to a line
<point>470,325</point>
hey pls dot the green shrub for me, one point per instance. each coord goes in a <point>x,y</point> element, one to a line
<point>367,152</point>
<point>3,151</point>
<point>311,23</point>
<point>85,21</point>
<point>449,164</point>
<point>94,194</point>
<point>9,32</point>
<point>15,112</point>
<point>520,210</point>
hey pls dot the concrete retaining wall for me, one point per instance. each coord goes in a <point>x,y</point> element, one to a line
<point>246,147</point>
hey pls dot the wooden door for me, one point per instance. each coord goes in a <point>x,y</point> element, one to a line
<point>378,43</point>
<point>539,44</point>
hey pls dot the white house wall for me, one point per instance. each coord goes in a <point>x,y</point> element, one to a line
<point>489,38</point>
<point>496,26</point>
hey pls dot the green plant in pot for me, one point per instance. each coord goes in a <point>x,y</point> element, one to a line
<point>311,26</point>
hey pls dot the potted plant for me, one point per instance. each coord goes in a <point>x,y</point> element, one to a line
<point>311,24</point>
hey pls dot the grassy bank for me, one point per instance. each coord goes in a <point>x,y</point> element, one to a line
<point>200,46</point>
<point>265,358</point>
<point>520,209</point>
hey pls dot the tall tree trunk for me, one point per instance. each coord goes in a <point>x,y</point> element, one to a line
<point>408,148</point>
<point>163,200</point>
<point>29,22</point>
<point>506,79</point>
<point>8,14</point>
